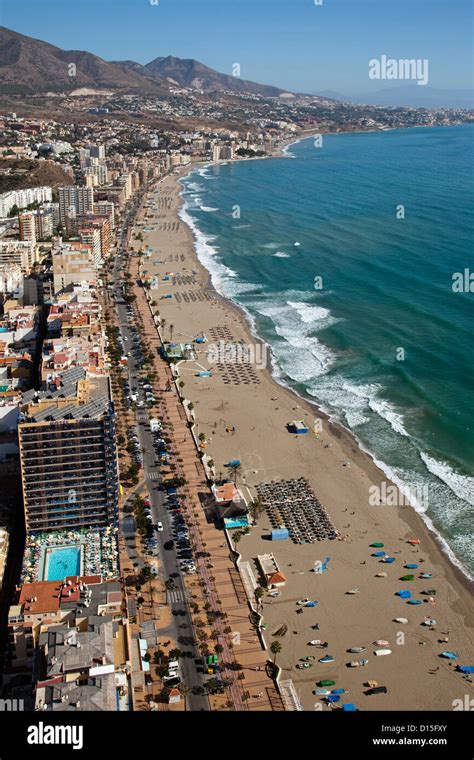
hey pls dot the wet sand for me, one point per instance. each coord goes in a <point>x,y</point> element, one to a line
<point>256,410</point>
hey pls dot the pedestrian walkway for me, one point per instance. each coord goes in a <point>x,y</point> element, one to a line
<point>222,588</point>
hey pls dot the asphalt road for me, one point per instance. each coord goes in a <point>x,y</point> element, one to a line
<point>181,625</point>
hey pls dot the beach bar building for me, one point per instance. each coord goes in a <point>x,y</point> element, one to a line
<point>270,571</point>
<point>298,427</point>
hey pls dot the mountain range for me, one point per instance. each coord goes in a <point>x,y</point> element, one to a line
<point>30,66</point>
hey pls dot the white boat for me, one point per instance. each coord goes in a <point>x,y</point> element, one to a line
<point>429,622</point>
<point>382,652</point>
<point>403,621</point>
<point>381,643</point>
<point>274,594</point>
<point>357,650</point>
<point>315,642</point>
<point>353,591</point>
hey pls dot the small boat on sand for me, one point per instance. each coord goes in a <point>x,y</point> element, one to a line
<point>415,601</point>
<point>449,655</point>
<point>358,663</point>
<point>315,642</point>
<point>326,682</point>
<point>382,652</point>
<point>381,643</point>
<point>353,591</point>
<point>381,575</point>
<point>321,692</point>
<point>426,575</point>
<point>357,650</point>
<point>304,665</point>
<point>326,659</point>
<point>401,620</point>
<point>429,622</point>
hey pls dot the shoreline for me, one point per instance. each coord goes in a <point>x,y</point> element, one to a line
<point>464,575</point>
<point>268,452</point>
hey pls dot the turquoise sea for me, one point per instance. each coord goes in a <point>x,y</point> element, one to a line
<point>358,305</point>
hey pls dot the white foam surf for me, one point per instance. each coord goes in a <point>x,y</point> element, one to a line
<point>461,485</point>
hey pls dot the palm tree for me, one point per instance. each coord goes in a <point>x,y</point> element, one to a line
<point>259,592</point>
<point>275,648</point>
<point>256,507</point>
<point>235,469</point>
<point>171,333</point>
<point>151,592</point>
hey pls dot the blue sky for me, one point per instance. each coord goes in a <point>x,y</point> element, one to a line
<point>290,43</point>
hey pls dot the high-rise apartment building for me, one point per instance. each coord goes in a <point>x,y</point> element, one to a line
<point>27,226</point>
<point>74,200</point>
<point>68,455</point>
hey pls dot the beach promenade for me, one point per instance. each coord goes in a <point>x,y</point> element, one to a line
<point>219,584</point>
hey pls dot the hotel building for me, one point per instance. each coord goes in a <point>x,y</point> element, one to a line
<point>68,454</point>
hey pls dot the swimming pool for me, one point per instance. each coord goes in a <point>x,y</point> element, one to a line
<point>62,561</point>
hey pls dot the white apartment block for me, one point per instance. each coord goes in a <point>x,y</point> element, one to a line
<point>23,198</point>
<point>20,252</point>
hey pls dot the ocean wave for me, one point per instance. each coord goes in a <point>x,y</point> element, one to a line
<point>208,208</point>
<point>387,411</point>
<point>271,246</point>
<point>461,485</point>
<point>314,358</point>
<point>343,400</point>
<point>309,313</point>
<point>194,187</point>
<point>282,255</point>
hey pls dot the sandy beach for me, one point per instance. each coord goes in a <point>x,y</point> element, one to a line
<point>243,414</point>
